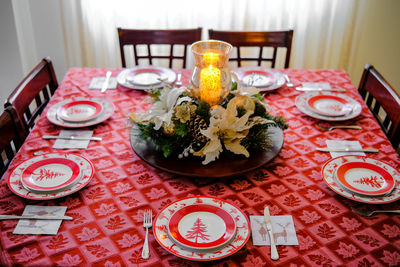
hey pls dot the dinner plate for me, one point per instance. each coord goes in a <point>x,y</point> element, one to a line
<point>365,178</point>
<point>240,238</point>
<point>329,171</point>
<point>144,77</point>
<point>302,104</point>
<point>107,107</point>
<point>201,227</point>
<point>329,105</point>
<point>224,166</point>
<point>80,110</point>
<point>263,78</point>
<point>50,174</point>
<point>15,184</point>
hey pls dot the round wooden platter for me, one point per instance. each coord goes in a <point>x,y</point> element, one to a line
<point>225,166</point>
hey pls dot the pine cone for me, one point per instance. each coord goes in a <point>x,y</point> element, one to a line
<point>195,124</point>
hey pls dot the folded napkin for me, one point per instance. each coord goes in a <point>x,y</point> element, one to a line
<point>40,227</point>
<point>283,230</point>
<point>316,85</point>
<point>344,144</point>
<point>97,83</point>
<point>72,144</point>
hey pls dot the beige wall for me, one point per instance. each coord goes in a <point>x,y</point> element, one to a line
<point>377,40</point>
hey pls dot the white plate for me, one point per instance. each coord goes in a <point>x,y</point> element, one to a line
<point>162,219</point>
<point>302,104</point>
<point>328,175</point>
<point>329,105</point>
<point>108,110</point>
<point>50,174</point>
<point>15,185</point>
<point>80,111</point>
<point>263,78</point>
<point>126,78</point>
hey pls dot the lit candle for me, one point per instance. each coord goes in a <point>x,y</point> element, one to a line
<point>210,80</point>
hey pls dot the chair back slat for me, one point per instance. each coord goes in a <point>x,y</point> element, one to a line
<point>274,39</point>
<point>379,95</point>
<point>136,37</point>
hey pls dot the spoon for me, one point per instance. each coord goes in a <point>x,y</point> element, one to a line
<point>288,83</point>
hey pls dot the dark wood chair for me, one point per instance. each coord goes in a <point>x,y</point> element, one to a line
<point>135,38</point>
<point>33,93</point>
<point>11,135</point>
<point>271,39</point>
<point>379,95</point>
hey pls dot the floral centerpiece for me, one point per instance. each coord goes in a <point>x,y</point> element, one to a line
<point>209,117</point>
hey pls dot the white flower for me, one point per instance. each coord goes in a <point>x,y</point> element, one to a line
<point>225,126</point>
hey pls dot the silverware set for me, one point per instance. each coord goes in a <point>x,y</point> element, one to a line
<point>330,128</point>
<point>34,217</point>
<point>368,150</point>
<point>368,213</point>
<point>311,89</point>
<point>72,137</point>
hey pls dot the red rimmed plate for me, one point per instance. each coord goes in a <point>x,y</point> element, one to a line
<point>240,238</point>
<point>329,105</point>
<point>80,110</point>
<point>365,178</point>
<point>144,77</point>
<point>15,184</point>
<point>108,111</point>
<point>50,174</point>
<point>201,227</point>
<point>260,77</point>
<point>329,177</point>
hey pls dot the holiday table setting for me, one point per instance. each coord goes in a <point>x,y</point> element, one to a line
<point>218,172</point>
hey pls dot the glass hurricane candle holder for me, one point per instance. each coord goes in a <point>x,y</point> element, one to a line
<point>211,78</point>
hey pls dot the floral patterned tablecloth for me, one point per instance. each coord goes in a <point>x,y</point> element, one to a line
<point>107,227</point>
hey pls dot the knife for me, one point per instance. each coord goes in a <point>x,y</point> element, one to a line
<point>325,149</point>
<point>34,217</point>
<point>105,84</point>
<point>268,223</point>
<point>307,89</point>
<point>93,138</point>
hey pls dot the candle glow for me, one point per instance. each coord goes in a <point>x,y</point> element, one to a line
<point>210,80</point>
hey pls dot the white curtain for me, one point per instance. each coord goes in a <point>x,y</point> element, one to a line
<point>322,28</point>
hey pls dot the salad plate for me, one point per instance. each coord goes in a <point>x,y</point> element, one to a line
<point>80,110</point>
<point>145,77</point>
<point>263,78</point>
<point>329,105</point>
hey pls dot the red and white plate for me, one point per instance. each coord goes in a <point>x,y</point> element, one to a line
<point>16,186</point>
<point>50,174</point>
<point>329,177</point>
<point>303,105</point>
<point>145,77</point>
<point>329,105</point>
<point>80,110</point>
<point>201,227</point>
<point>240,238</point>
<point>263,78</point>
<point>107,111</point>
<point>365,178</point>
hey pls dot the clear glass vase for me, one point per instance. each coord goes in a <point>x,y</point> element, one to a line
<point>211,79</point>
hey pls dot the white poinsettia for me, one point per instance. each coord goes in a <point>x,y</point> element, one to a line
<point>228,129</point>
<point>251,91</point>
<point>162,111</point>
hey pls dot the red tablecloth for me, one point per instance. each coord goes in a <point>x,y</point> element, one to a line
<point>107,227</point>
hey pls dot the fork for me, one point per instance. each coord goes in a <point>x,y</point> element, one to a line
<point>368,213</point>
<point>324,128</point>
<point>147,223</point>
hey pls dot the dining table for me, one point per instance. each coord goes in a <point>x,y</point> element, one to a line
<point>107,226</point>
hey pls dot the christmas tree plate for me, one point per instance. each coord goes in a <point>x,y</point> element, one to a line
<point>329,177</point>
<point>80,111</point>
<point>239,239</point>
<point>16,186</point>
<point>50,174</point>
<point>263,78</point>
<point>329,105</point>
<point>225,166</point>
<point>365,178</point>
<point>201,227</point>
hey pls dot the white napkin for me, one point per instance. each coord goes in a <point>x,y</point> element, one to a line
<point>97,83</point>
<point>72,144</point>
<point>317,85</point>
<point>40,227</point>
<point>283,230</point>
<point>344,144</point>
